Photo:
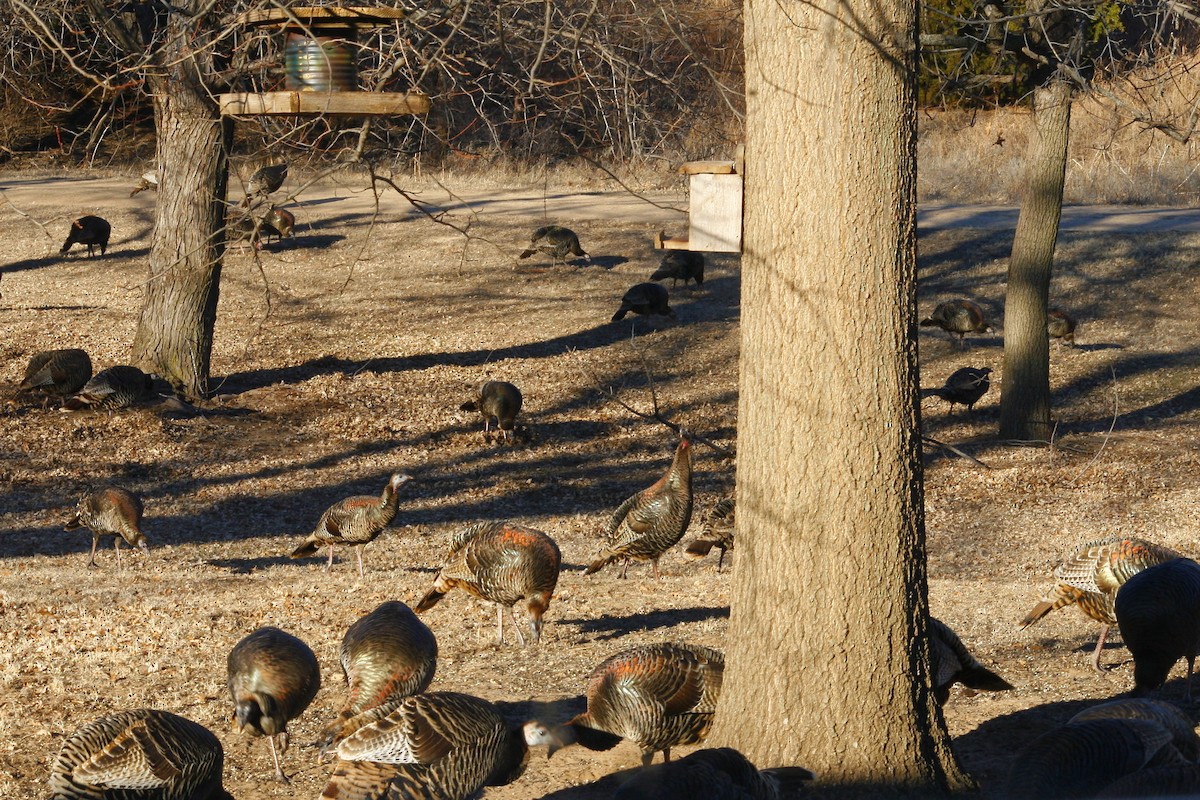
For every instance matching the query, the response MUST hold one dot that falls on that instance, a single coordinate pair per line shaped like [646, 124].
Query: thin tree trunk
[1025, 391]
[827, 658]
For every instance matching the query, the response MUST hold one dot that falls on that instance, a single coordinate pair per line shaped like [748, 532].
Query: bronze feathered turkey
[953, 663]
[1158, 613]
[1091, 577]
[718, 532]
[557, 242]
[110, 511]
[386, 655]
[435, 746]
[713, 774]
[139, 755]
[1060, 325]
[57, 372]
[964, 387]
[354, 521]
[658, 696]
[265, 181]
[652, 521]
[278, 222]
[272, 678]
[503, 563]
[112, 388]
[645, 298]
[1171, 717]
[91, 231]
[680, 265]
[958, 317]
[498, 401]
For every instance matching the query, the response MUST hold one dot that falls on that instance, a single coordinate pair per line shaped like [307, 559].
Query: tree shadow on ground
[615, 627]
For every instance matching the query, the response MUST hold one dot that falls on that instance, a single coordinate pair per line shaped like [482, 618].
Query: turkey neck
[388, 502]
[681, 467]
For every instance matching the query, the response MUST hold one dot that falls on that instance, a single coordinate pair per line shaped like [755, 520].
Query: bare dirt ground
[344, 357]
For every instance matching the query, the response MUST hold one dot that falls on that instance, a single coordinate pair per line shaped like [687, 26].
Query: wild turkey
[1158, 613]
[657, 695]
[149, 180]
[1169, 780]
[557, 242]
[386, 655]
[959, 317]
[278, 222]
[964, 386]
[952, 663]
[1183, 734]
[110, 511]
[89, 230]
[112, 388]
[272, 678]
[503, 563]
[645, 298]
[57, 372]
[1060, 325]
[680, 265]
[354, 521]
[265, 181]
[241, 227]
[713, 774]
[435, 746]
[139, 755]
[1082, 758]
[718, 532]
[1090, 579]
[499, 401]
[650, 522]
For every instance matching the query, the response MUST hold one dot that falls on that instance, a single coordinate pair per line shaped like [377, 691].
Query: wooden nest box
[321, 56]
[714, 209]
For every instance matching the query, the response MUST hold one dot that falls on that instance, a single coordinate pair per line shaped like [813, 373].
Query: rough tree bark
[827, 660]
[1025, 391]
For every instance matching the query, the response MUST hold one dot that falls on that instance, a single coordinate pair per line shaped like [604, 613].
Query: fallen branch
[952, 449]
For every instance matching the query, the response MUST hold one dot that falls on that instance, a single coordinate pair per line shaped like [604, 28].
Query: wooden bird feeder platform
[321, 55]
[715, 208]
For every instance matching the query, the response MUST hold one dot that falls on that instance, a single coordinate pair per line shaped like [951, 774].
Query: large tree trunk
[1025, 392]
[827, 657]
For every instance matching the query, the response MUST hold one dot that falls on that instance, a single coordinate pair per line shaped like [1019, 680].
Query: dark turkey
[680, 265]
[658, 695]
[149, 180]
[386, 655]
[964, 387]
[1060, 325]
[265, 181]
[91, 231]
[952, 663]
[1183, 734]
[139, 755]
[498, 401]
[272, 678]
[1091, 577]
[354, 521]
[645, 298]
[1158, 613]
[503, 563]
[436, 746]
[557, 242]
[278, 222]
[652, 521]
[112, 388]
[959, 317]
[1169, 780]
[718, 532]
[110, 511]
[713, 774]
[57, 372]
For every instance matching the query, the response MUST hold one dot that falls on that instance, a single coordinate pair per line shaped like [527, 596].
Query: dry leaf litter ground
[344, 357]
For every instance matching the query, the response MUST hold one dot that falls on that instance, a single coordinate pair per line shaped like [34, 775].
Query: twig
[1107, 435]
[951, 448]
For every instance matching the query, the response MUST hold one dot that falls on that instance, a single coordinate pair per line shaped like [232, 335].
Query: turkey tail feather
[308, 548]
[1037, 612]
[700, 548]
[430, 600]
[984, 679]
[594, 739]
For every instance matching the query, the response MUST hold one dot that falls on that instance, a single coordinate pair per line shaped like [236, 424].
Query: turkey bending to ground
[1082, 758]
[149, 180]
[645, 298]
[658, 695]
[112, 388]
[386, 655]
[713, 774]
[139, 755]
[952, 663]
[272, 678]
[1183, 735]
[557, 242]
[265, 181]
[1060, 325]
[503, 563]
[354, 521]
[959, 317]
[57, 372]
[110, 511]
[499, 401]
[91, 231]
[964, 386]
[652, 521]
[1091, 577]
[680, 265]
[435, 746]
[278, 222]
[718, 532]
[1158, 613]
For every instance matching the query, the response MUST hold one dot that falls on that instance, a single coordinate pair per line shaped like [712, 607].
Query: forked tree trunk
[1025, 391]
[827, 656]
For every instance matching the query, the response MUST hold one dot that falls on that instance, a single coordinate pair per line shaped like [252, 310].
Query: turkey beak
[144, 545]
